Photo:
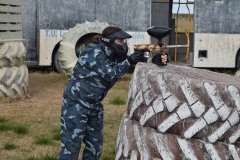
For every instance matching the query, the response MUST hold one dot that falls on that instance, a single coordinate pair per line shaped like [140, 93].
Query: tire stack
[178, 112]
[13, 71]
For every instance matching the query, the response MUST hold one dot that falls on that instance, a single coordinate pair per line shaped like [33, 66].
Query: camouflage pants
[81, 124]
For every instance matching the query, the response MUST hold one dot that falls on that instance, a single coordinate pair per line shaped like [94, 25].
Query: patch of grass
[9, 146]
[5, 127]
[118, 101]
[32, 158]
[49, 157]
[110, 157]
[42, 140]
[44, 100]
[3, 120]
[56, 134]
[20, 129]
[17, 128]
[45, 157]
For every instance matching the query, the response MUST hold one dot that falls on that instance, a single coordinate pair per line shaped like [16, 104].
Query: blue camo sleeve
[99, 63]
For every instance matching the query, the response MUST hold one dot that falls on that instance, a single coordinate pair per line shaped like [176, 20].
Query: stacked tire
[178, 112]
[13, 71]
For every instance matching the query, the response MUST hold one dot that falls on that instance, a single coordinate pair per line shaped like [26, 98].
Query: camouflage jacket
[94, 74]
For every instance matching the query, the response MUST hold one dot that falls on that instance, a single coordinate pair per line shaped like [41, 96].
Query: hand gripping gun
[157, 32]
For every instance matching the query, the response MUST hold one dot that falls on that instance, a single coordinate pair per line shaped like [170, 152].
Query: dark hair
[110, 30]
[96, 38]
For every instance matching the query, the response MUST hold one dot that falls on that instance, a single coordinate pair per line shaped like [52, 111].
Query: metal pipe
[176, 35]
[177, 46]
[188, 33]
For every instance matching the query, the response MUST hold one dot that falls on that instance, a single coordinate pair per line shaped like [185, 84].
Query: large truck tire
[13, 81]
[136, 142]
[56, 63]
[178, 112]
[69, 44]
[238, 60]
[12, 54]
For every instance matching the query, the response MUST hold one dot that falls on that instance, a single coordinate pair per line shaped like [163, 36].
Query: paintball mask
[119, 51]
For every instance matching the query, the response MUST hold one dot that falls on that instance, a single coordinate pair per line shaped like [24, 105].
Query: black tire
[237, 74]
[57, 66]
[238, 61]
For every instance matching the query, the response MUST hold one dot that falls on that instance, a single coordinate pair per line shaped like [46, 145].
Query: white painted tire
[237, 74]
[178, 112]
[13, 81]
[12, 54]
[67, 50]
[136, 142]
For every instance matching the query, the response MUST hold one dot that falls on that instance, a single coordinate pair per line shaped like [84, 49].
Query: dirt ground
[40, 113]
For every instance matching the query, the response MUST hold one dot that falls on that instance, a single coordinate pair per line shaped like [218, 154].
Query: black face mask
[119, 51]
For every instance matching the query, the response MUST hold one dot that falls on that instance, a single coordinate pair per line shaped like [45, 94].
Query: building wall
[183, 21]
[132, 15]
[217, 16]
[217, 33]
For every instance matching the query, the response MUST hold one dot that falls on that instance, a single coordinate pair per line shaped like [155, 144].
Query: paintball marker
[158, 33]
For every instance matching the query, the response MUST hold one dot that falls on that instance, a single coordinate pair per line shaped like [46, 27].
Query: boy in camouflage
[98, 67]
